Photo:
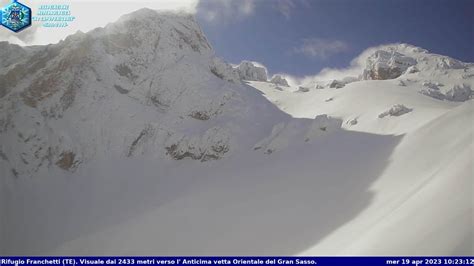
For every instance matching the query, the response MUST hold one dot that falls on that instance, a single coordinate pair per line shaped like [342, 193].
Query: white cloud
[224, 10]
[354, 69]
[89, 14]
[247, 7]
[320, 48]
[23, 37]
[286, 7]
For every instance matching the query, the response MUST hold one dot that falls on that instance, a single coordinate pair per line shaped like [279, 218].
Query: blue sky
[300, 37]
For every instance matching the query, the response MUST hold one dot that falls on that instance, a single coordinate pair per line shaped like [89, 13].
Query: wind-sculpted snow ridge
[148, 84]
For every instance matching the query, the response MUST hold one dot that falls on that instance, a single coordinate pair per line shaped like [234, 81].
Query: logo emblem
[15, 16]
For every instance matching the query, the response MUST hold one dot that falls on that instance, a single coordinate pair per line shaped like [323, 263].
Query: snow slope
[423, 200]
[431, 84]
[430, 174]
[345, 193]
[363, 101]
[253, 203]
[136, 139]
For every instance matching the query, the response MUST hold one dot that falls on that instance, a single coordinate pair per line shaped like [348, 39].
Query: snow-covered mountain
[437, 76]
[147, 84]
[136, 139]
[388, 77]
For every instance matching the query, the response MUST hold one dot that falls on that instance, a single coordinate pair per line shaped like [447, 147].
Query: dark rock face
[66, 161]
[174, 152]
[198, 115]
[384, 73]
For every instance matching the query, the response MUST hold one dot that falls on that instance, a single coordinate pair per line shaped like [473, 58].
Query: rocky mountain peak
[393, 60]
[146, 84]
[384, 64]
[251, 71]
[174, 30]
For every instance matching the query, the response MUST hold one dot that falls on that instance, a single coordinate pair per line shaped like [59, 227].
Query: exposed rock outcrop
[321, 125]
[459, 93]
[396, 110]
[302, 89]
[249, 71]
[433, 93]
[213, 145]
[336, 84]
[224, 71]
[279, 80]
[384, 65]
[67, 161]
